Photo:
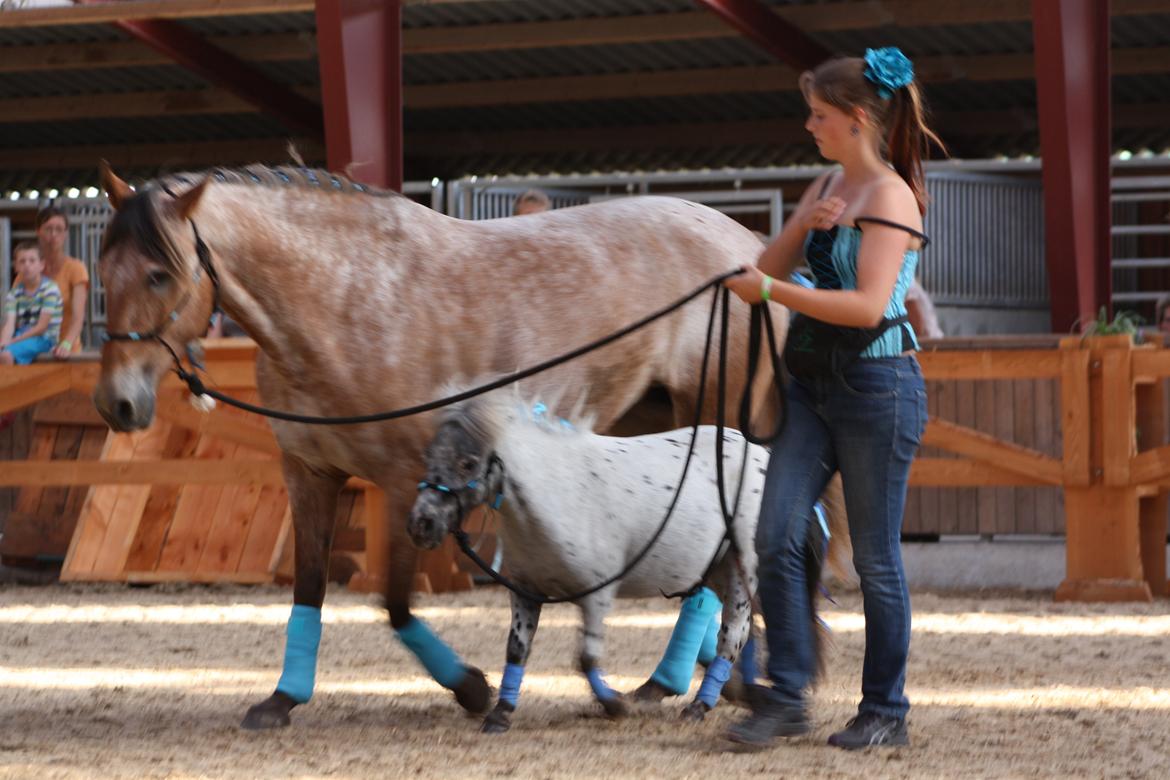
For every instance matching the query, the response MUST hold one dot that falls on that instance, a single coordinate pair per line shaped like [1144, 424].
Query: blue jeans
[867, 424]
[25, 352]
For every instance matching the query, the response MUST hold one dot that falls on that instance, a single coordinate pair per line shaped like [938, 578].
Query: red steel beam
[359, 45]
[224, 69]
[1072, 80]
[783, 40]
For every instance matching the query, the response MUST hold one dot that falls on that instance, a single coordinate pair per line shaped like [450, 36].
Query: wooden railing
[1110, 402]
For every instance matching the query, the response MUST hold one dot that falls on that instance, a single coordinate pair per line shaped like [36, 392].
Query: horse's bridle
[203, 253]
[494, 461]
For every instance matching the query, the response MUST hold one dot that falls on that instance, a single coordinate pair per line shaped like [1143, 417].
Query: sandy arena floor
[118, 682]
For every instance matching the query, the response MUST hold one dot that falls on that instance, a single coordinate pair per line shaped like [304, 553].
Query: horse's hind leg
[468, 683]
[313, 498]
[525, 617]
[594, 608]
[693, 631]
[733, 633]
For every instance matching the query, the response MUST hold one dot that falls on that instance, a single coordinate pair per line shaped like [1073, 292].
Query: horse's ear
[116, 189]
[185, 204]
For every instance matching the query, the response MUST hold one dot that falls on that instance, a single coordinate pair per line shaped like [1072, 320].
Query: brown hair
[47, 213]
[900, 119]
[26, 246]
[536, 197]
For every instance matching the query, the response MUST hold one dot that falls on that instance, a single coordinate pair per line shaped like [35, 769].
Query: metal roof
[466, 133]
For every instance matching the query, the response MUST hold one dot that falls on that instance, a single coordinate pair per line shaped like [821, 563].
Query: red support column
[1072, 80]
[359, 46]
[764, 27]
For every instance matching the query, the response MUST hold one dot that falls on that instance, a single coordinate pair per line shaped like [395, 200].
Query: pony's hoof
[736, 691]
[695, 712]
[272, 713]
[473, 693]
[650, 692]
[615, 707]
[498, 720]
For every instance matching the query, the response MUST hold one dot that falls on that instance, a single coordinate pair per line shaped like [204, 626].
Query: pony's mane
[486, 416]
[259, 175]
[137, 220]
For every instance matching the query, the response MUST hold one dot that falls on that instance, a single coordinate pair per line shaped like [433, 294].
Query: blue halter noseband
[456, 493]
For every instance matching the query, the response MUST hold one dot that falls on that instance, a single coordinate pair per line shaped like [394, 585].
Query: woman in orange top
[70, 275]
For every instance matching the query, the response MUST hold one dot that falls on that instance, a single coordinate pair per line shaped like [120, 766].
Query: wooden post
[373, 578]
[1151, 426]
[1102, 519]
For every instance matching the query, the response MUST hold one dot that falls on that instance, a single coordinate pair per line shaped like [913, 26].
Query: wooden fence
[1021, 432]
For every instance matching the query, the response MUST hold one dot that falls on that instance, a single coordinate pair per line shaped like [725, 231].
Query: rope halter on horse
[473, 485]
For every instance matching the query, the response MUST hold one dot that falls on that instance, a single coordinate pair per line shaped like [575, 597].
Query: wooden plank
[1005, 497]
[201, 577]
[68, 408]
[267, 532]
[219, 423]
[123, 522]
[948, 472]
[160, 507]
[947, 507]
[1049, 518]
[95, 516]
[985, 421]
[1117, 433]
[195, 512]
[981, 446]
[146, 9]
[1151, 363]
[967, 520]
[22, 386]
[990, 364]
[39, 454]
[92, 445]
[219, 533]
[158, 472]
[1075, 420]
[65, 448]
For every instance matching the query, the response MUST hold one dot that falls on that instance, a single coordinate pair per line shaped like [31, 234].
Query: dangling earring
[854, 131]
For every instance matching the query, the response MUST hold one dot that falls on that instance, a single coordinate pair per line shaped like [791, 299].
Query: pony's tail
[840, 552]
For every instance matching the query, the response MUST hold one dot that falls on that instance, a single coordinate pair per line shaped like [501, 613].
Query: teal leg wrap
[710, 642]
[677, 666]
[300, 653]
[434, 654]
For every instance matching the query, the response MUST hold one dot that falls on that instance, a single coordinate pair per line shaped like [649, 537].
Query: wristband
[766, 288]
[67, 344]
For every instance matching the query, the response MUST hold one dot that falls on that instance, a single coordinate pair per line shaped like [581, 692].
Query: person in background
[70, 275]
[32, 310]
[531, 202]
[920, 310]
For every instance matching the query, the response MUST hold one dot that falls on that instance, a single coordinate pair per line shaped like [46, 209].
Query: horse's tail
[835, 552]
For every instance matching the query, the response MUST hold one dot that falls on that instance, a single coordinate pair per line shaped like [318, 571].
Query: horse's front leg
[693, 639]
[733, 634]
[468, 683]
[525, 617]
[594, 608]
[313, 498]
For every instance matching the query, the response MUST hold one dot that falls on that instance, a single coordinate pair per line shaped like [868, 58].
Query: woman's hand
[822, 214]
[747, 284]
[63, 350]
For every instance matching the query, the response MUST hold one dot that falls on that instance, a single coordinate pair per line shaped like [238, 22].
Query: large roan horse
[363, 300]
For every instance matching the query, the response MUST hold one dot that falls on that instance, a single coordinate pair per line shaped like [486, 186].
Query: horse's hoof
[473, 693]
[651, 692]
[615, 707]
[272, 713]
[736, 691]
[498, 720]
[695, 712]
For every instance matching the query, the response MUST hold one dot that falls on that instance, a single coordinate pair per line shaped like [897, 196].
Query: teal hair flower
[889, 69]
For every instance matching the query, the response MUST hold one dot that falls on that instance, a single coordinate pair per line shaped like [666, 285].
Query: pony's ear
[116, 190]
[185, 204]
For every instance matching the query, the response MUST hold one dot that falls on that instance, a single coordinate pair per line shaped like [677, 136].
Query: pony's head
[463, 470]
[158, 297]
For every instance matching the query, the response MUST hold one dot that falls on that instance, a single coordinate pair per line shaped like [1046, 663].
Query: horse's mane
[486, 416]
[137, 220]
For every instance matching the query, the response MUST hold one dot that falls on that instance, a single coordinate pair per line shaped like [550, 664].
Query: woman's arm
[64, 347]
[879, 260]
[7, 329]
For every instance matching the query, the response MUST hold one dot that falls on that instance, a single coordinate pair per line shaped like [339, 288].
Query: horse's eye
[156, 279]
[468, 464]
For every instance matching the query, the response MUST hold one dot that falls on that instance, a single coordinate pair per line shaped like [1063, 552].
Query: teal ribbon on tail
[303, 637]
[433, 653]
[677, 666]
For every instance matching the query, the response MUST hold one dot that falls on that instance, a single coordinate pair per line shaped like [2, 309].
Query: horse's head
[463, 472]
[157, 296]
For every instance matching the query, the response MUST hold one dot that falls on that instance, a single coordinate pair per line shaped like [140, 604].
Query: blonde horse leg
[313, 498]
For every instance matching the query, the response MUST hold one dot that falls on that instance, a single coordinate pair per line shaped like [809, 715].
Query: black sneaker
[868, 729]
[768, 721]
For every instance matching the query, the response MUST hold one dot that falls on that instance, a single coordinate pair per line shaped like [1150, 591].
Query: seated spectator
[531, 202]
[32, 310]
[70, 275]
[920, 309]
[1162, 315]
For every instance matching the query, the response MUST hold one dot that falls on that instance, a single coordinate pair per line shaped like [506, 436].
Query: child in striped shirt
[32, 309]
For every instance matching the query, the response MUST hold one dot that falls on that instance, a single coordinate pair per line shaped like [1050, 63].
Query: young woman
[68, 272]
[858, 402]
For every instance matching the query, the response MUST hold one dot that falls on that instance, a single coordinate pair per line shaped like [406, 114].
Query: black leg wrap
[272, 713]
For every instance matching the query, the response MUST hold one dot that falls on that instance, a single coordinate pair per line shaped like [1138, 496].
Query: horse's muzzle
[426, 525]
[122, 412]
